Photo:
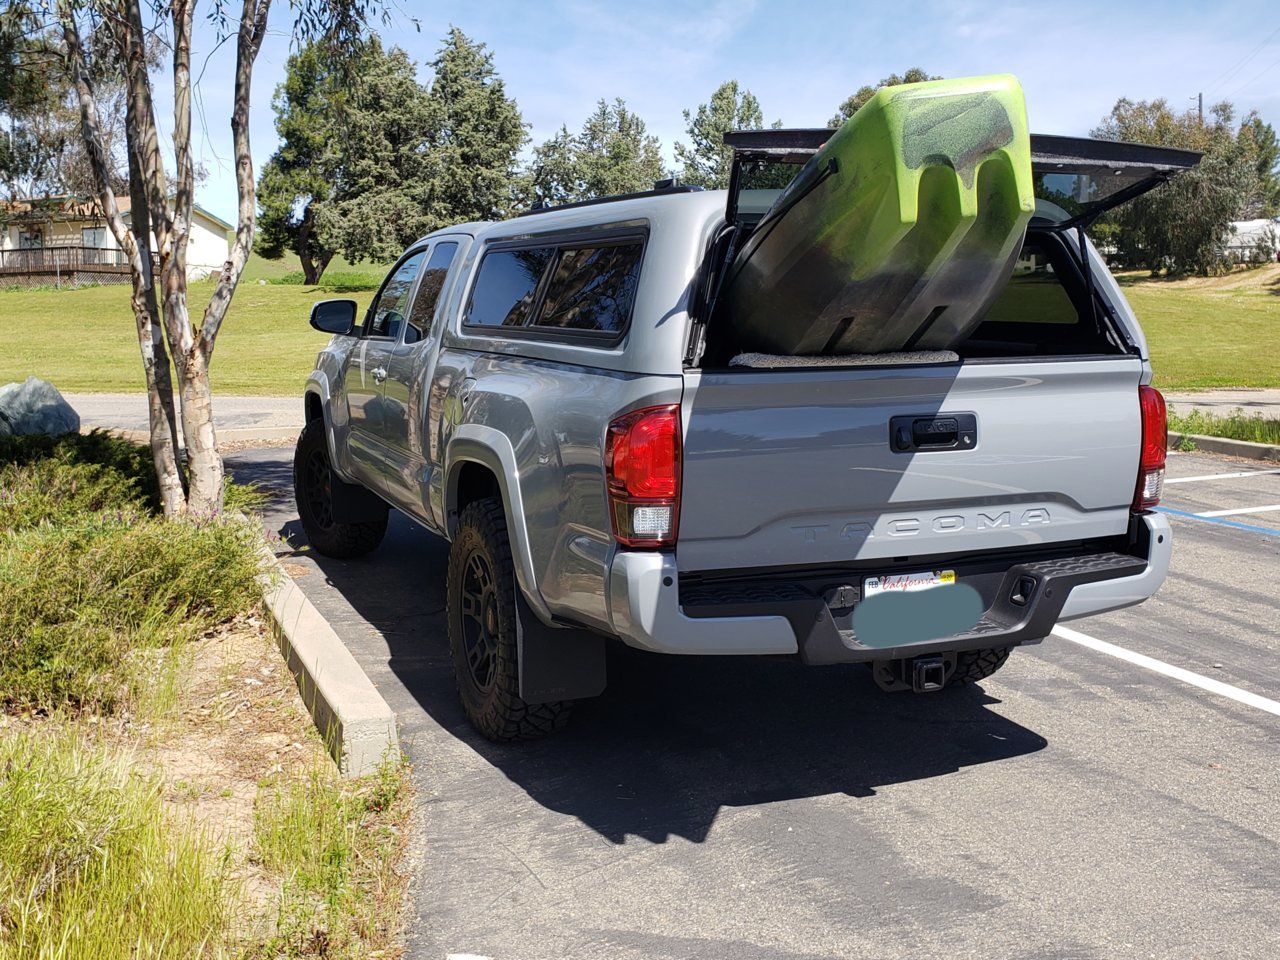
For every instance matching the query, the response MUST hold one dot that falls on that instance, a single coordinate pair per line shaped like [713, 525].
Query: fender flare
[476, 443]
[318, 384]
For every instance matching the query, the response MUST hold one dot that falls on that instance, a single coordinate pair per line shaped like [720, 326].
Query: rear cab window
[572, 289]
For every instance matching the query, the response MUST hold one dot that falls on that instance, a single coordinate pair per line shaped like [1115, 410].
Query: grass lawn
[1212, 332]
[85, 340]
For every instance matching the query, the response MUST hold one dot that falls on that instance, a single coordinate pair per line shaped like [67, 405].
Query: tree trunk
[155, 361]
[150, 341]
[204, 463]
[313, 264]
[310, 275]
[313, 268]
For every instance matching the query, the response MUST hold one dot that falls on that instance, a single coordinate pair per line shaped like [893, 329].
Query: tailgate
[804, 467]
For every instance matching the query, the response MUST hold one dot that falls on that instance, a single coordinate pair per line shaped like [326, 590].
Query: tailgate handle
[950, 432]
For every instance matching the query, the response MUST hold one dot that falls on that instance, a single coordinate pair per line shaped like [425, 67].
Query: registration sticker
[907, 582]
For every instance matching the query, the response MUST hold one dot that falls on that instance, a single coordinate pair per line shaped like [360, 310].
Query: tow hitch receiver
[928, 674]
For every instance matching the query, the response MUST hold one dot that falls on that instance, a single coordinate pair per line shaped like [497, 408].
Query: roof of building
[71, 208]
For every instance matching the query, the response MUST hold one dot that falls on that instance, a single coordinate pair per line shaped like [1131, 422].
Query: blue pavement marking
[1226, 523]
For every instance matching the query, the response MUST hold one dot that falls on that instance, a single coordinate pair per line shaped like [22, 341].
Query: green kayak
[898, 233]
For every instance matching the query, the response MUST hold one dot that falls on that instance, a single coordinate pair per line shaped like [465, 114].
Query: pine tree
[476, 134]
[855, 101]
[706, 161]
[352, 174]
[613, 154]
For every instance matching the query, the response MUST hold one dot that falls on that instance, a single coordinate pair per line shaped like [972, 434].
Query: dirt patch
[1240, 280]
[238, 724]
[238, 729]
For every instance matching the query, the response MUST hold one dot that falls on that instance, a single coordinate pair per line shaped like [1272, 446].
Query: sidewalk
[235, 418]
[1224, 401]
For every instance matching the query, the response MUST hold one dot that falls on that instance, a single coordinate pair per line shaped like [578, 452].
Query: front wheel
[482, 631]
[313, 483]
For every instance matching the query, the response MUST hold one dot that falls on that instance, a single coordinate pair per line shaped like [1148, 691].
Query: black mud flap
[557, 664]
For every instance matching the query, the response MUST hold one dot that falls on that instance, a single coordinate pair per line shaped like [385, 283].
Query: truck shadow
[673, 740]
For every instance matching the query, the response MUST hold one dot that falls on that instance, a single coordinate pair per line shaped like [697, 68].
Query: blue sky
[557, 57]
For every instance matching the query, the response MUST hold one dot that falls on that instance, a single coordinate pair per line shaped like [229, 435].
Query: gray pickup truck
[562, 398]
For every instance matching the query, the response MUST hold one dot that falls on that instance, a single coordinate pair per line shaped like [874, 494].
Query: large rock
[33, 407]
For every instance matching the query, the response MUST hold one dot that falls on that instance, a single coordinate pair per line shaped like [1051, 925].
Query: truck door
[367, 367]
[409, 369]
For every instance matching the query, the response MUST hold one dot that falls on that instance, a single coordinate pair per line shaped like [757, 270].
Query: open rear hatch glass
[1074, 181]
[1077, 180]
[1081, 178]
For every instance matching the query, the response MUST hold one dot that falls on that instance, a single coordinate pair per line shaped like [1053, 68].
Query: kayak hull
[898, 233]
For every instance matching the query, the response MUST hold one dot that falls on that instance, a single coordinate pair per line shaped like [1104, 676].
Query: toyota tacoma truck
[564, 399]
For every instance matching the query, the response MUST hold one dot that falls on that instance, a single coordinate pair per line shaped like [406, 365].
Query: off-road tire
[975, 665]
[313, 481]
[482, 631]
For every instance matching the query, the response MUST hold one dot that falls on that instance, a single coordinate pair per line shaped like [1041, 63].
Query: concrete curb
[358, 726]
[1234, 448]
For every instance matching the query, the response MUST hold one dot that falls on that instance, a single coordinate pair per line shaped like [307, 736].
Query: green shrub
[340, 281]
[1237, 425]
[47, 479]
[350, 281]
[93, 869]
[80, 602]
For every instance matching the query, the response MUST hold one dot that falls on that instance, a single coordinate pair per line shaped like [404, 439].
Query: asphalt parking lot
[1077, 804]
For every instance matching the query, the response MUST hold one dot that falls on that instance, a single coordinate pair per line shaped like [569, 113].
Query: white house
[1245, 236]
[65, 239]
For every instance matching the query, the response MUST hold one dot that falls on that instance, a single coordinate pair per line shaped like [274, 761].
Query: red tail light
[1155, 443]
[642, 470]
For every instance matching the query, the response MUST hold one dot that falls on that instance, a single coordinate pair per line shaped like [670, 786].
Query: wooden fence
[65, 267]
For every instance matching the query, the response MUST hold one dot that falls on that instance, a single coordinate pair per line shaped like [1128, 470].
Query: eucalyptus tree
[162, 197]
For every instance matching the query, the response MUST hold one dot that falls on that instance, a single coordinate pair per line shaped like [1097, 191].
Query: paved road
[1075, 805]
[264, 416]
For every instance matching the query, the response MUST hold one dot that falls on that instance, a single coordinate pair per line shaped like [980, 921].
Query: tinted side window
[1035, 293]
[593, 288]
[424, 304]
[387, 313]
[507, 286]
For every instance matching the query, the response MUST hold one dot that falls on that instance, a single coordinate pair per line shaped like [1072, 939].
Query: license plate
[907, 582]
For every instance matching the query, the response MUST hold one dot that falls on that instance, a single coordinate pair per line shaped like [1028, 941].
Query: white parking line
[1169, 670]
[1219, 476]
[1232, 513]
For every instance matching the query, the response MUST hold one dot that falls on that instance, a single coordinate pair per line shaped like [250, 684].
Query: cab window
[428, 295]
[386, 315]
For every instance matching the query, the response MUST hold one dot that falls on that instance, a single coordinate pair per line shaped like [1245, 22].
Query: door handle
[937, 432]
[379, 374]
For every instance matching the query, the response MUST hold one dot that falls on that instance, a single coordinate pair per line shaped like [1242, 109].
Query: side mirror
[335, 316]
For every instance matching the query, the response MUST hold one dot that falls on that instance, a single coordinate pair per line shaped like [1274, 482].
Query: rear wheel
[482, 631]
[975, 665]
[313, 483]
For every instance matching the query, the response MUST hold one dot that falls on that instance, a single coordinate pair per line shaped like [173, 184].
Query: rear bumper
[646, 610]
